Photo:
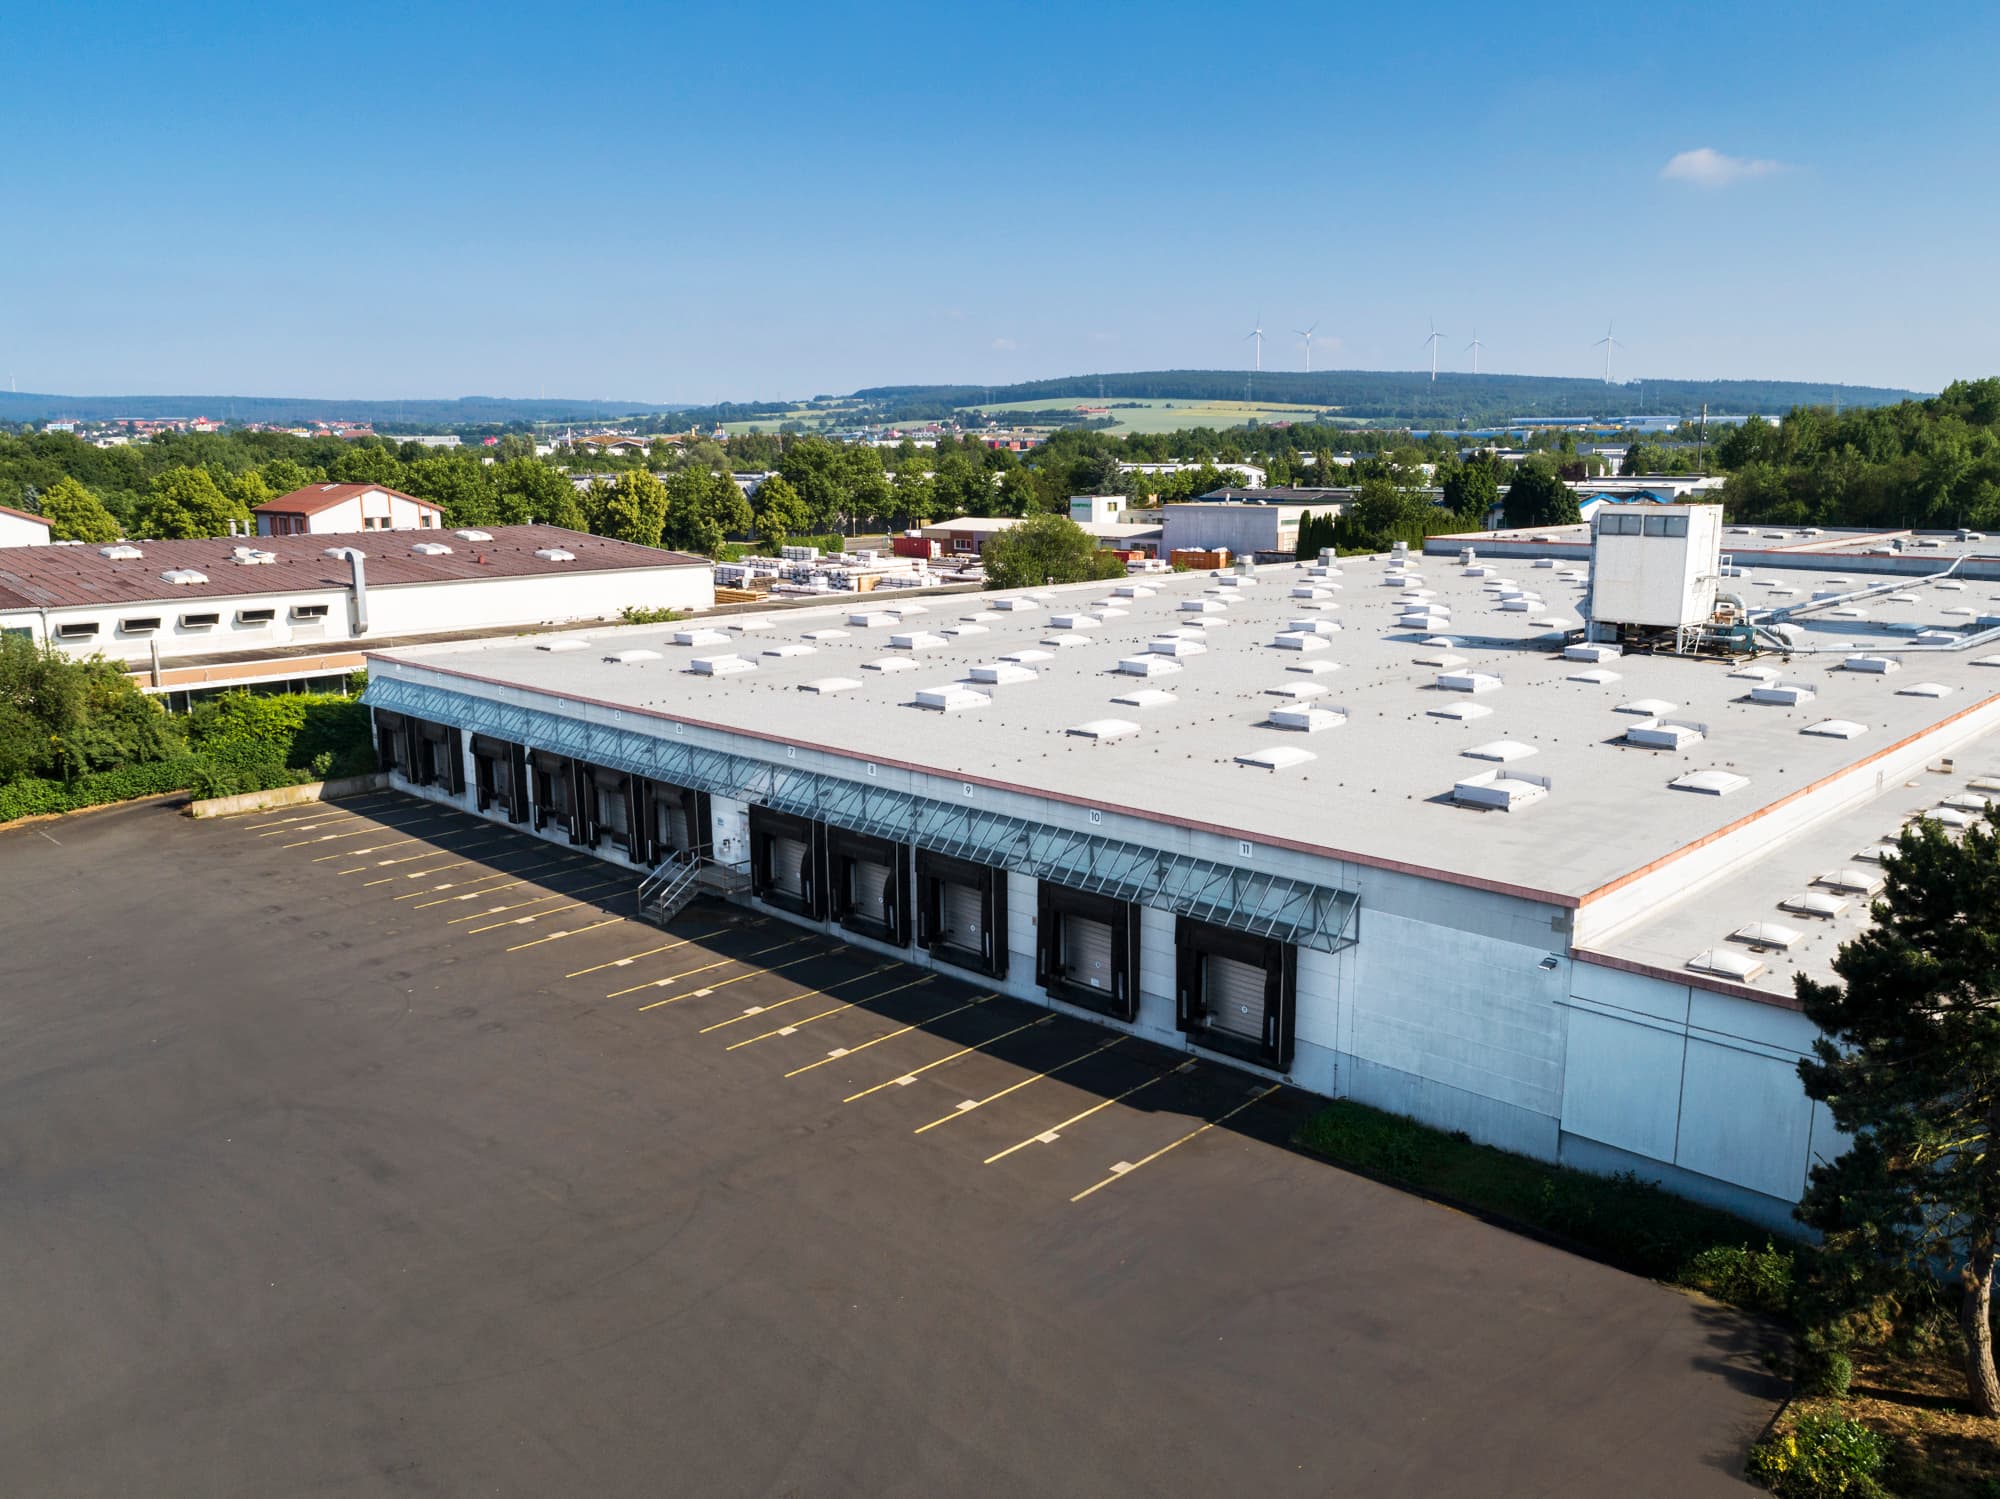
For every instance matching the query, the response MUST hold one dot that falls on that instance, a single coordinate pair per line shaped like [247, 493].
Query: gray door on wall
[871, 884]
[1234, 993]
[788, 862]
[1086, 951]
[963, 916]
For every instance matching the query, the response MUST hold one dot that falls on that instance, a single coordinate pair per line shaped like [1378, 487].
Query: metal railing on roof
[1254, 901]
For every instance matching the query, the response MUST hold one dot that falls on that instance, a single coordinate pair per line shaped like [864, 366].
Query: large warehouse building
[1392, 828]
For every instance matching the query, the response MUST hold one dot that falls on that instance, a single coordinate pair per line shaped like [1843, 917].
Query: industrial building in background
[192, 617]
[1402, 829]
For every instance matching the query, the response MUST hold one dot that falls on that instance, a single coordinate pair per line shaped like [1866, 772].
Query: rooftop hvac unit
[1656, 567]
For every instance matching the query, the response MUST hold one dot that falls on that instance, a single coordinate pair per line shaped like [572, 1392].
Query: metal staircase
[665, 892]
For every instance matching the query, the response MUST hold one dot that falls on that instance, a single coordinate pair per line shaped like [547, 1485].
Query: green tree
[780, 512]
[1472, 489]
[527, 489]
[864, 483]
[1046, 548]
[1538, 497]
[636, 508]
[813, 470]
[364, 461]
[1909, 1066]
[61, 717]
[456, 481]
[1382, 508]
[703, 510]
[283, 475]
[183, 502]
[75, 514]
[912, 499]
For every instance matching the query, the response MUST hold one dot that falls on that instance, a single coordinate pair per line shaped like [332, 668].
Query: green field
[1135, 415]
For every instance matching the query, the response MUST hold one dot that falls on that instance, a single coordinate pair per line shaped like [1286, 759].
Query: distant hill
[463, 411]
[1400, 395]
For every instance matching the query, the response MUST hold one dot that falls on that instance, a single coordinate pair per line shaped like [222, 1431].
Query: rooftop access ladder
[665, 893]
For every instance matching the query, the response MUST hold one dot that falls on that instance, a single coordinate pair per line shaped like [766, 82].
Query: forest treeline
[1920, 463]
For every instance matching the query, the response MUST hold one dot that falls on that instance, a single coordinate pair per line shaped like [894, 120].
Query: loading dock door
[788, 865]
[1087, 949]
[1086, 952]
[963, 916]
[1234, 992]
[868, 892]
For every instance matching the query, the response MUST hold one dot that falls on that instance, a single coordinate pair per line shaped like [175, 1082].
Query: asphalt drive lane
[302, 1191]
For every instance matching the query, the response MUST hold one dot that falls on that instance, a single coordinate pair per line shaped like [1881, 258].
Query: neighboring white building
[1243, 527]
[442, 440]
[20, 529]
[258, 612]
[336, 509]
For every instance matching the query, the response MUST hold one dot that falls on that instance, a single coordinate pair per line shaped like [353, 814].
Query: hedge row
[31, 796]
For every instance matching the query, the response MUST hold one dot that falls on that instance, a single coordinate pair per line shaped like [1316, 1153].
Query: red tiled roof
[317, 497]
[69, 576]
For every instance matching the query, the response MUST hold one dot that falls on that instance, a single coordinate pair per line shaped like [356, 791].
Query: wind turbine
[1609, 344]
[1307, 335]
[1258, 334]
[1475, 346]
[1433, 342]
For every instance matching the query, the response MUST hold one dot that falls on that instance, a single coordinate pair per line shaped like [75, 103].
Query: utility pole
[1701, 443]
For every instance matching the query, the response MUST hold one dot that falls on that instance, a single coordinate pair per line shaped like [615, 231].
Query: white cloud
[1005, 344]
[1707, 167]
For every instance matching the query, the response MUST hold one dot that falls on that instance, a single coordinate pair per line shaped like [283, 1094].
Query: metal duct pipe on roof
[1815, 605]
[360, 585]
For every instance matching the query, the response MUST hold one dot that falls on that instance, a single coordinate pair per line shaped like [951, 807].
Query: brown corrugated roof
[317, 497]
[68, 576]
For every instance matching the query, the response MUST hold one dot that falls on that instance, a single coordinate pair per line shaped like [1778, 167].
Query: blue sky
[701, 203]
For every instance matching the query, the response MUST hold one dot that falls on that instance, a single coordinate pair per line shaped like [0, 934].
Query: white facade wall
[373, 510]
[399, 609]
[1456, 1006]
[1243, 528]
[22, 531]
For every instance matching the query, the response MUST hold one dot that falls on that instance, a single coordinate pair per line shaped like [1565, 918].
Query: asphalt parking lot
[375, 1148]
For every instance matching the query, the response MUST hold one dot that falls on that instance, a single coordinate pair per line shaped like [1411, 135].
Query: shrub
[1818, 1370]
[1821, 1457]
[1756, 1279]
[34, 796]
[632, 614]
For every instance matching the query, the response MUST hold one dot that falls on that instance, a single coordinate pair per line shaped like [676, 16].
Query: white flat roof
[1381, 788]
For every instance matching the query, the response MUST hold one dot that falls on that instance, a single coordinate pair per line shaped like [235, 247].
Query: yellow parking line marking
[1126, 1168]
[572, 932]
[567, 897]
[328, 819]
[507, 877]
[375, 848]
[786, 1030]
[320, 810]
[968, 1105]
[368, 826]
[1054, 1132]
[741, 978]
[522, 905]
[722, 962]
[778, 1004]
[655, 951]
[845, 1051]
[789, 1030]
[905, 1079]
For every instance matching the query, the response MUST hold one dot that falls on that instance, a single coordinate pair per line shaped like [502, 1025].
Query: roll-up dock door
[1235, 992]
[1087, 950]
[787, 855]
[788, 865]
[869, 883]
[961, 911]
[500, 776]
